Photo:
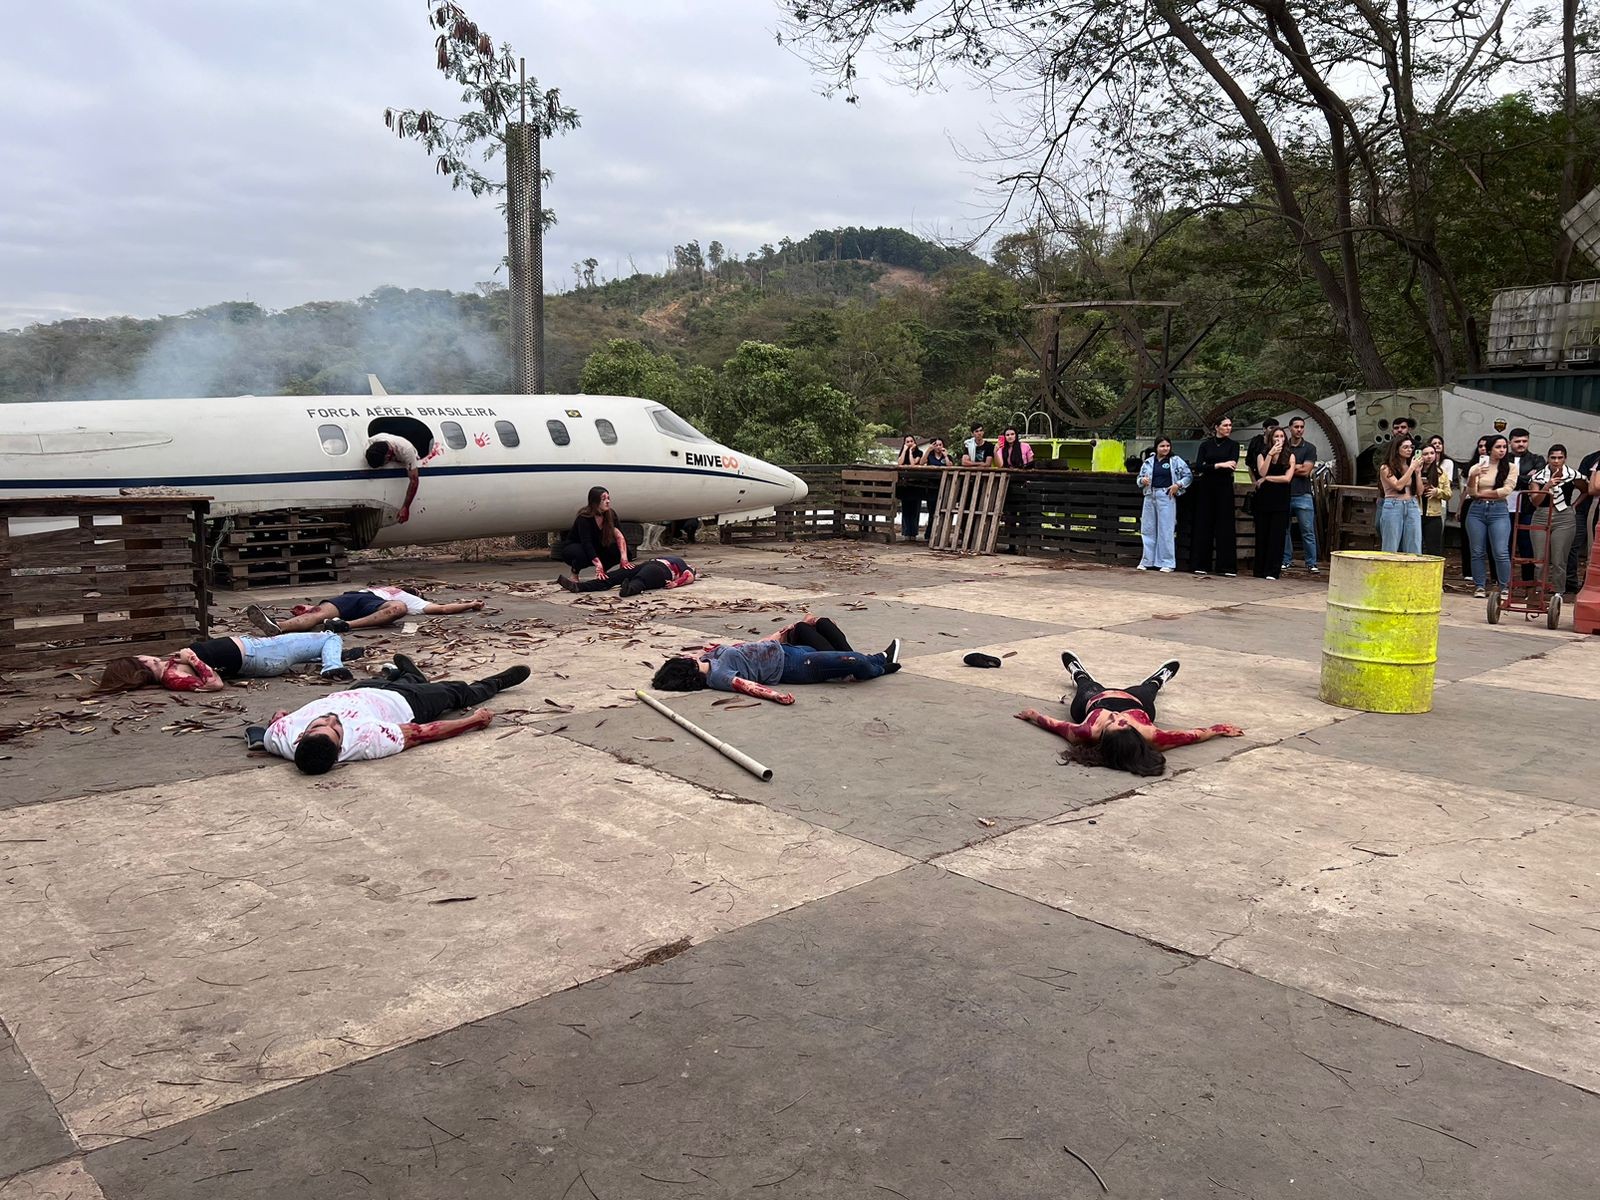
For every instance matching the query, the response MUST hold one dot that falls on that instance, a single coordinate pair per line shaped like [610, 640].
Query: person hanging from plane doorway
[364, 608]
[594, 539]
[385, 448]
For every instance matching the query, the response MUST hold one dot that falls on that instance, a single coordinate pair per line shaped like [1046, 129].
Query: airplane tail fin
[377, 388]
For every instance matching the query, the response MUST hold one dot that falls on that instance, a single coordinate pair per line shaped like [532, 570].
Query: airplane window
[671, 424]
[453, 435]
[333, 440]
[508, 434]
[558, 432]
[608, 431]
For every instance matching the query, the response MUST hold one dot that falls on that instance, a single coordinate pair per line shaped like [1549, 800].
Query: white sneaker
[1198, 571]
[1479, 594]
[1166, 570]
[1314, 569]
[1230, 574]
[1141, 567]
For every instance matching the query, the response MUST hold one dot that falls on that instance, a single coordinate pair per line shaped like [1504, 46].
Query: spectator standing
[1274, 471]
[1524, 462]
[1400, 510]
[1252, 452]
[1479, 453]
[1163, 478]
[1302, 499]
[910, 491]
[978, 450]
[1589, 469]
[1436, 489]
[1213, 544]
[1489, 481]
[1555, 490]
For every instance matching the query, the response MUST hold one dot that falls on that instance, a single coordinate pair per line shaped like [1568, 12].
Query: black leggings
[1087, 697]
[822, 634]
[430, 701]
[572, 554]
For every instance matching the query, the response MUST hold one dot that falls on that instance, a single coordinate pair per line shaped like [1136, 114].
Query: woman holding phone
[1399, 512]
[1489, 481]
[1274, 471]
[1435, 498]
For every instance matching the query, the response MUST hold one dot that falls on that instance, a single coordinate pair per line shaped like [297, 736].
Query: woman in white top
[1489, 481]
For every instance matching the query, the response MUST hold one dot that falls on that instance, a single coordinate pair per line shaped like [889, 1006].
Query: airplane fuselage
[496, 465]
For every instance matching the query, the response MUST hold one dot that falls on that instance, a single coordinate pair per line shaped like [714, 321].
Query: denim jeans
[1489, 532]
[1304, 510]
[801, 664]
[264, 656]
[1400, 526]
[1158, 529]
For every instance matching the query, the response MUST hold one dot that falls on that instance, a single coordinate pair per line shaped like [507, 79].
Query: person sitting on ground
[1116, 727]
[380, 717]
[203, 666]
[664, 571]
[365, 608]
[814, 650]
[385, 448]
[594, 540]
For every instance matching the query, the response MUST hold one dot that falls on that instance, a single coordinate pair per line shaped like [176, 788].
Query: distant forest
[804, 349]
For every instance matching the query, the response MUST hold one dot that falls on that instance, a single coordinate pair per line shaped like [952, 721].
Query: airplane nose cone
[799, 489]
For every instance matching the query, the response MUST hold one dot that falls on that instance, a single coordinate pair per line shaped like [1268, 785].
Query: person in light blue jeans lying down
[205, 666]
[814, 650]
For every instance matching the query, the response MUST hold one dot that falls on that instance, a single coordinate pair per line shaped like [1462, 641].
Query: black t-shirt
[221, 655]
[1212, 451]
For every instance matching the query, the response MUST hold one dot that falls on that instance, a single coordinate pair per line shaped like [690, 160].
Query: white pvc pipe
[763, 773]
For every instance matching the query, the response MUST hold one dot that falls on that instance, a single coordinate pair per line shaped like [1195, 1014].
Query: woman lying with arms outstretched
[1116, 727]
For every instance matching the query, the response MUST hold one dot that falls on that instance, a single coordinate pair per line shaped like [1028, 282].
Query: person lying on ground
[1116, 727]
[365, 608]
[380, 717]
[666, 571]
[203, 666]
[812, 651]
[385, 448]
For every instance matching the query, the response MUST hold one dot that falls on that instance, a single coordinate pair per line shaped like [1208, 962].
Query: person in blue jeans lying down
[814, 650]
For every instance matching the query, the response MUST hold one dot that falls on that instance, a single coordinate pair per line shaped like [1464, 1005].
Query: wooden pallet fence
[1093, 514]
[970, 509]
[1352, 518]
[282, 548]
[84, 578]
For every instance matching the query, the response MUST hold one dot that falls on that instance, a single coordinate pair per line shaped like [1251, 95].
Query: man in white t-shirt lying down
[364, 608]
[379, 717]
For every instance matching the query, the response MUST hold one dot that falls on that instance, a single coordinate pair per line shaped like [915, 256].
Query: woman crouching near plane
[204, 666]
[1116, 727]
[594, 540]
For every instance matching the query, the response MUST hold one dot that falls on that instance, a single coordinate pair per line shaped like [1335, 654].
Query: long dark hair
[1397, 466]
[679, 675]
[1011, 456]
[606, 519]
[123, 675]
[1504, 468]
[1121, 750]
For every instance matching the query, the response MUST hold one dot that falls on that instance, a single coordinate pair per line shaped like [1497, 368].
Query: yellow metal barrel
[1381, 641]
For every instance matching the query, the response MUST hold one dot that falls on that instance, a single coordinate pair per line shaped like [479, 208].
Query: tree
[496, 96]
[1335, 120]
[590, 265]
[765, 403]
[622, 367]
[714, 254]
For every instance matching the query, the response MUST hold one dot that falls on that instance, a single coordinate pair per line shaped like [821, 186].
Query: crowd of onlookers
[1508, 499]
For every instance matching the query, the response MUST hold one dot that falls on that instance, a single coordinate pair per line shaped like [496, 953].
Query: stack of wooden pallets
[970, 509]
[283, 548]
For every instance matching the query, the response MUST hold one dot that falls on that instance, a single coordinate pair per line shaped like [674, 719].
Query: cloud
[166, 156]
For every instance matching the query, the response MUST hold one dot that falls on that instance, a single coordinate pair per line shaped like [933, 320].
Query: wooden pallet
[969, 511]
[867, 501]
[113, 576]
[1352, 518]
[282, 548]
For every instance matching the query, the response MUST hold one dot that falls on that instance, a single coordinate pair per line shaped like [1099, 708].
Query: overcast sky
[161, 156]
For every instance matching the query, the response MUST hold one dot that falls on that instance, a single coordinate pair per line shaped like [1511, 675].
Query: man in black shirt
[1525, 462]
[1212, 544]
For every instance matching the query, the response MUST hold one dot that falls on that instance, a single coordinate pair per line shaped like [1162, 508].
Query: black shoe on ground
[510, 677]
[1167, 671]
[567, 582]
[1069, 660]
[350, 653]
[891, 656]
[336, 625]
[339, 675]
[405, 668]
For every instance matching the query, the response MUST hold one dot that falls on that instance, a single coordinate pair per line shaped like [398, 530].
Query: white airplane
[493, 465]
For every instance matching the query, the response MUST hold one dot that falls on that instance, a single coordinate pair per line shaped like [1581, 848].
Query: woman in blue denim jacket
[1163, 478]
